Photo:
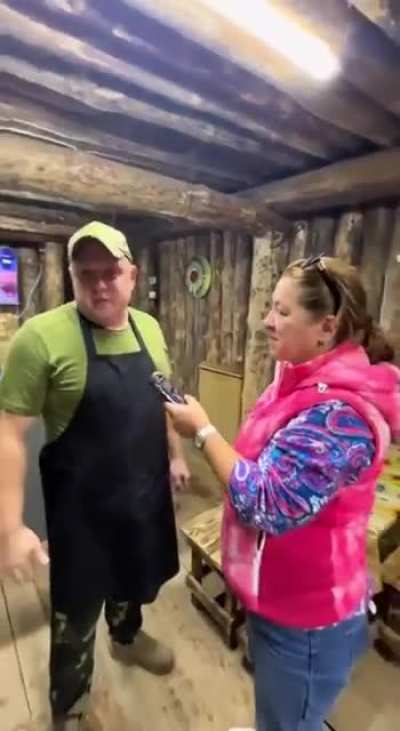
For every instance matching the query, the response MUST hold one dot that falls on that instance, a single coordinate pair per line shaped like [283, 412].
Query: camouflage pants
[73, 637]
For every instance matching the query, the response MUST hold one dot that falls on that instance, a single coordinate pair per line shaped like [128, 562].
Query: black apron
[109, 508]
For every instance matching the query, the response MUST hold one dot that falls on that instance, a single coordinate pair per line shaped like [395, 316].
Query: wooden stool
[244, 646]
[203, 534]
[388, 625]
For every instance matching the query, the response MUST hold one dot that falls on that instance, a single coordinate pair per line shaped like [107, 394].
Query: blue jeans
[300, 673]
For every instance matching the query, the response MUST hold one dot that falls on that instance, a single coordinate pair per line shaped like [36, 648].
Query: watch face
[198, 441]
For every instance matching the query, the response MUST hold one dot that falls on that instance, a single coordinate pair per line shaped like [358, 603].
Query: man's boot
[146, 652]
[67, 723]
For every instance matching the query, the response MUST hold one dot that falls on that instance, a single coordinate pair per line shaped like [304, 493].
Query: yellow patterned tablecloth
[385, 518]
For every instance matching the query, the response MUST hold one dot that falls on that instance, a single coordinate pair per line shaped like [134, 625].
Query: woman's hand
[187, 418]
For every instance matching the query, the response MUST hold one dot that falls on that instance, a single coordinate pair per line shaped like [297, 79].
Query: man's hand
[180, 473]
[19, 552]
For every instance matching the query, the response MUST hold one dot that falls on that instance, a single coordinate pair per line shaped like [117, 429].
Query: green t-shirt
[46, 366]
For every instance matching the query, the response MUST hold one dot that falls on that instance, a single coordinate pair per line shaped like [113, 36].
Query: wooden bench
[214, 597]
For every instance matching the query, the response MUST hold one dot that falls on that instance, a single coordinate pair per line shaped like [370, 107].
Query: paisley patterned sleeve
[302, 467]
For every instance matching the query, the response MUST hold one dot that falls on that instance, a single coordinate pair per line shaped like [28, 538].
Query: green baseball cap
[113, 240]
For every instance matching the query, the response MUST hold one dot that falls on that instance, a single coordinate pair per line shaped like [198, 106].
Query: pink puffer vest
[314, 575]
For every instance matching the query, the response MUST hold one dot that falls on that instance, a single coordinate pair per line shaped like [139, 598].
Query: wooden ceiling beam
[39, 223]
[106, 99]
[367, 179]
[335, 102]
[70, 218]
[150, 232]
[20, 222]
[28, 228]
[18, 219]
[26, 117]
[11, 236]
[383, 13]
[31, 168]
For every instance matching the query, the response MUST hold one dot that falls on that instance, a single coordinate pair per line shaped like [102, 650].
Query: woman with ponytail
[299, 487]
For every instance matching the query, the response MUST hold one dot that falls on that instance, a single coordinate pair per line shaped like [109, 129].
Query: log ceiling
[384, 13]
[170, 102]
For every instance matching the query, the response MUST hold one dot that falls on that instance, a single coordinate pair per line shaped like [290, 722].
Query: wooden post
[139, 297]
[258, 361]
[8, 326]
[203, 311]
[348, 240]
[390, 312]
[322, 236]
[228, 274]
[53, 275]
[240, 297]
[144, 258]
[152, 280]
[281, 245]
[190, 313]
[30, 283]
[213, 353]
[299, 243]
[378, 231]
[163, 291]
[173, 308]
[177, 259]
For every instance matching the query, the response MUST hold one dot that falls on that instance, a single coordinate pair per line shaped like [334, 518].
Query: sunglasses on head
[317, 263]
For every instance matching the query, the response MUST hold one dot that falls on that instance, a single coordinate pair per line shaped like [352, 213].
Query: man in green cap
[106, 468]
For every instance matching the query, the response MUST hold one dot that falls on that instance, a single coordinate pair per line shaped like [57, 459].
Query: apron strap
[87, 331]
[139, 338]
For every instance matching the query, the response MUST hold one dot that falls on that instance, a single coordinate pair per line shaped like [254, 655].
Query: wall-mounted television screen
[8, 277]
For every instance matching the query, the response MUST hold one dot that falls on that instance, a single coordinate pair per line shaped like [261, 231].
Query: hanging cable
[31, 293]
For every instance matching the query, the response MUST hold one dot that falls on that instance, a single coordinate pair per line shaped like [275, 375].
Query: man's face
[102, 285]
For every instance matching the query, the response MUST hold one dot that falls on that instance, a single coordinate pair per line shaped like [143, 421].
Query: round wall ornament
[198, 276]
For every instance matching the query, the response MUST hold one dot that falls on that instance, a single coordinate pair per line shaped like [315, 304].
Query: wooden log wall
[145, 294]
[212, 328]
[369, 239]
[41, 286]
[226, 327]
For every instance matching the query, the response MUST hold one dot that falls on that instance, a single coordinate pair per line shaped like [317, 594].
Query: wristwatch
[202, 434]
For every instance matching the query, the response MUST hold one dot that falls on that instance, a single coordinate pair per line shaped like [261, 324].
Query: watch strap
[202, 434]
